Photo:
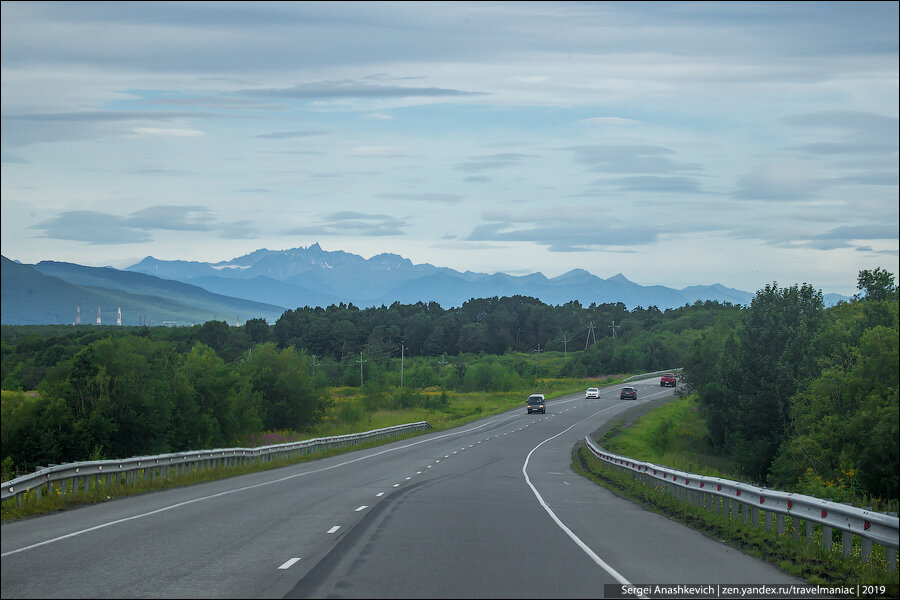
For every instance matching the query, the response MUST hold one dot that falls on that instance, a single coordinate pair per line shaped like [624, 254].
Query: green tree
[761, 367]
[845, 423]
[283, 379]
[257, 330]
[877, 284]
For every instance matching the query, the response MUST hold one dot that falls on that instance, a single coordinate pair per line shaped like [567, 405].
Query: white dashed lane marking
[289, 563]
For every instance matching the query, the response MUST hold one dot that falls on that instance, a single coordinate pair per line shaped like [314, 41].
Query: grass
[791, 554]
[53, 499]
[674, 435]
[461, 408]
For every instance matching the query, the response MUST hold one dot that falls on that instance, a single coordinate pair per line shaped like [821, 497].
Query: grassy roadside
[461, 408]
[673, 435]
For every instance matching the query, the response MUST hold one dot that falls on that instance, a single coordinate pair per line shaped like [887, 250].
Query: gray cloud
[874, 231]
[109, 115]
[91, 227]
[561, 229]
[284, 135]
[159, 171]
[173, 218]
[239, 230]
[432, 197]
[492, 161]
[102, 228]
[656, 184]
[630, 158]
[782, 181]
[350, 89]
[844, 120]
[873, 178]
[830, 148]
[354, 223]
[572, 237]
[12, 158]
[25, 129]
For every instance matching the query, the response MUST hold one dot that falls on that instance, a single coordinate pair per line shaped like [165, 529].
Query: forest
[792, 392]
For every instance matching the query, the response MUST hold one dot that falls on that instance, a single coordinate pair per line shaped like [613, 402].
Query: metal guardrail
[74, 477]
[747, 502]
[653, 374]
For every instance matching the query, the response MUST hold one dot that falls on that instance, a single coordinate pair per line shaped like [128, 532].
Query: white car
[592, 393]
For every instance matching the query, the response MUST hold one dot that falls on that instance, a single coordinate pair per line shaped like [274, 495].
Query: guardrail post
[846, 543]
[780, 524]
[866, 550]
[865, 546]
[810, 532]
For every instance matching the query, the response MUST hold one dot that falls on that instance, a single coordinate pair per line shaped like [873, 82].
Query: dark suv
[535, 403]
[628, 393]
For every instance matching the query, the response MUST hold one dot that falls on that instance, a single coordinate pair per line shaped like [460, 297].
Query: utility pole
[614, 327]
[538, 350]
[590, 335]
[564, 348]
[443, 363]
[314, 364]
[360, 361]
[401, 363]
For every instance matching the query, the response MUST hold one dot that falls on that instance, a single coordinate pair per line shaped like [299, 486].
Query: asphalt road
[488, 510]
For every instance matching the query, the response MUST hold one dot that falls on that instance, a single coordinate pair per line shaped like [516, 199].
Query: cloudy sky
[740, 143]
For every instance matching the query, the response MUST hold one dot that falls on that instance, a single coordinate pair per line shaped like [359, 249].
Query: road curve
[490, 509]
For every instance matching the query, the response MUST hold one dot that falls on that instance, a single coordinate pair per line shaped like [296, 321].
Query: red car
[668, 379]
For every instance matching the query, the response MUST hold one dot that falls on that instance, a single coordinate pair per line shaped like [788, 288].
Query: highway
[489, 509]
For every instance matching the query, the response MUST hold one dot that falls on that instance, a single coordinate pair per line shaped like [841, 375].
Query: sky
[677, 143]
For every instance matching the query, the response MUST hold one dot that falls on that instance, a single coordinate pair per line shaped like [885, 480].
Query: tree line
[799, 395]
[105, 392]
[793, 393]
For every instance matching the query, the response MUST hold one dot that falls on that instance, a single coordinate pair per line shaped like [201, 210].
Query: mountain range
[264, 283]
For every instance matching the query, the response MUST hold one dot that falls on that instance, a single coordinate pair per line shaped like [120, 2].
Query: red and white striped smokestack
[119, 318]
[98, 315]
[78, 314]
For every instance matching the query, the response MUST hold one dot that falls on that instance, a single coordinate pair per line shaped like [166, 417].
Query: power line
[590, 335]
[360, 361]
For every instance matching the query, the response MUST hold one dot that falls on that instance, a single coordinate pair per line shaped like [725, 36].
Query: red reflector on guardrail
[762, 500]
[824, 513]
[866, 525]
[790, 505]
